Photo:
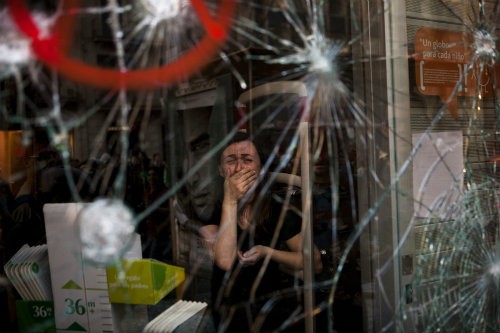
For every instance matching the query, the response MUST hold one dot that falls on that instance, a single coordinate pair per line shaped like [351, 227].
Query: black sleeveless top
[233, 288]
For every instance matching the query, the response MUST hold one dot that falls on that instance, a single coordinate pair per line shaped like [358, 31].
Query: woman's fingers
[246, 259]
[252, 256]
[247, 179]
[244, 175]
[243, 180]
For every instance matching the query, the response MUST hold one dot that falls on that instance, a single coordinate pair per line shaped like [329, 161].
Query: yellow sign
[143, 281]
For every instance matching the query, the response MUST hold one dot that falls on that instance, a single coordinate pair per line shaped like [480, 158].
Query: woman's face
[239, 156]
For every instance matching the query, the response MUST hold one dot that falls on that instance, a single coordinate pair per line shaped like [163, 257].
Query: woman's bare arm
[235, 186]
[225, 247]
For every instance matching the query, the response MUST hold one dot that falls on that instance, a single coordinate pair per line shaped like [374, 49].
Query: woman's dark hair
[240, 137]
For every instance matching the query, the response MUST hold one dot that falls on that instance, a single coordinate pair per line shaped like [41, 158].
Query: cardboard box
[144, 281]
[81, 295]
[80, 291]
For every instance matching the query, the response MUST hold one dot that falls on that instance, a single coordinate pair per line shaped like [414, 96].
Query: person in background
[203, 187]
[6, 219]
[155, 229]
[47, 181]
[252, 237]
[197, 199]
[136, 180]
[7, 295]
[160, 167]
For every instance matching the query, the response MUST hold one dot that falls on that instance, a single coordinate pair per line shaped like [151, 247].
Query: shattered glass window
[260, 166]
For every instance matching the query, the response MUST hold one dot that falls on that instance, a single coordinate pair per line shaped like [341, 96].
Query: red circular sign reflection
[52, 50]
